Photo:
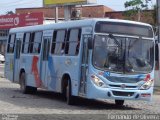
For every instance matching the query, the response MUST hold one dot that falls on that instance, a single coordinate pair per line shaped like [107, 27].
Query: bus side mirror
[90, 43]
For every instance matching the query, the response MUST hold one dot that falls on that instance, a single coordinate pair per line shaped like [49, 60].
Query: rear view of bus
[122, 61]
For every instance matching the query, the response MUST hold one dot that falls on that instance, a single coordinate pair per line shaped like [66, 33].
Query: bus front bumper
[119, 94]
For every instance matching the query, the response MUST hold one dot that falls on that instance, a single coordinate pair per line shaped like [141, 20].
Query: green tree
[135, 7]
[9, 12]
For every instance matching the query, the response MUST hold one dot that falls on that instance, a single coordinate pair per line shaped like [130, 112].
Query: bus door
[18, 43]
[84, 65]
[47, 36]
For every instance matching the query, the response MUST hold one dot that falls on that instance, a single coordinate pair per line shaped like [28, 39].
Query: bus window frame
[78, 41]
[11, 43]
[31, 43]
[24, 43]
[55, 42]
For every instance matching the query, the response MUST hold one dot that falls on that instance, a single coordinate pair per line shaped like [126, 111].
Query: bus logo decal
[35, 71]
[106, 74]
[123, 86]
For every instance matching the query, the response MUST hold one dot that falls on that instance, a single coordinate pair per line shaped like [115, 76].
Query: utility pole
[158, 14]
[56, 14]
[67, 12]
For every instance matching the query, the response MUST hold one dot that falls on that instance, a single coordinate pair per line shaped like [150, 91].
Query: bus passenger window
[54, 42]
[25, 47]
[37, 42]
[74, 41]
[31, 41]
[60, 38]
[11, 43]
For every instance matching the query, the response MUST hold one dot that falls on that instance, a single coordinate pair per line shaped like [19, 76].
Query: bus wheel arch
[21, 71]
[64, 83]
[23, 86]
[67, 89]
[22, 81]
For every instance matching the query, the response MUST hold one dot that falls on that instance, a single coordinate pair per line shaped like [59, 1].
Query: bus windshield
[123, 54]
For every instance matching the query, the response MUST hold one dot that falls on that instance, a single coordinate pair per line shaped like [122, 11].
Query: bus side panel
[61, 66]
[31, 65]
[26, 64]
[9, 66]
[52, 74]
[75, 71]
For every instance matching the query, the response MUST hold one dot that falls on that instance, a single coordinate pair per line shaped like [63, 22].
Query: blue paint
[52, 72]
[106, 74]
[140, 76]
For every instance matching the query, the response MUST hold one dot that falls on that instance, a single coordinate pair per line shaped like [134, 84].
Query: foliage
[135, 7]
[9, 12]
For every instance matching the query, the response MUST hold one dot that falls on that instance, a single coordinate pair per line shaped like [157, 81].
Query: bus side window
[25, 46]
[60, 42]
[37, 42]
[11, 43]
[31, 41]
[74, 42]
[54, 42]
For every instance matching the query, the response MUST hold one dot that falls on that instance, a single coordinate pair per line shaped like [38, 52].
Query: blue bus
[93, 59]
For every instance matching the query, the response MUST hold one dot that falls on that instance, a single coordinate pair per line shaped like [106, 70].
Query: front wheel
[69, 97]
[119, 102]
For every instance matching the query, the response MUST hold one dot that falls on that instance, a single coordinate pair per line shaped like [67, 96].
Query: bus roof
[69, 24]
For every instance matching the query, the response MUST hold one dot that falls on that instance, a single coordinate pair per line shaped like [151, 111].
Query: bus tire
[32, 90]
[24, 89]
[69, 97]
[119, 102]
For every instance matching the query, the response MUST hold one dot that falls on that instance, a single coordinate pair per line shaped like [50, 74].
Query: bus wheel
[119, 102]
[69, 97]
[24, 89]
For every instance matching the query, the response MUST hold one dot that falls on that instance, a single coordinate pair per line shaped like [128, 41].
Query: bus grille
[123, 79]
[118, 93]
[119, 86]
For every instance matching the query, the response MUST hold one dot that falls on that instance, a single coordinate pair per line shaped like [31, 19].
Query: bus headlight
[146, 85]
[97, 81]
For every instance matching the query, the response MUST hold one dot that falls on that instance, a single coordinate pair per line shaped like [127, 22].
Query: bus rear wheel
[119, 102]
[69, 97]
[23, 87]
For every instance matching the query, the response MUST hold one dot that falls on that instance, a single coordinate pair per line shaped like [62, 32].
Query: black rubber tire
[2, 62]
[69, 97]
[32, 90]
[119, 102]
[24, 89]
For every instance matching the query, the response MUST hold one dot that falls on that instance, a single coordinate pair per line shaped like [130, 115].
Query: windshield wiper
[119, 57]
[115, 40]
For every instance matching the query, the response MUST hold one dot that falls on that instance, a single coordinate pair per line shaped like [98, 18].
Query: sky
[11, 5]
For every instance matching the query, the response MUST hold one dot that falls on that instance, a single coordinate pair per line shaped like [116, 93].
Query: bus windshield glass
[123, 54]
[124, 28]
